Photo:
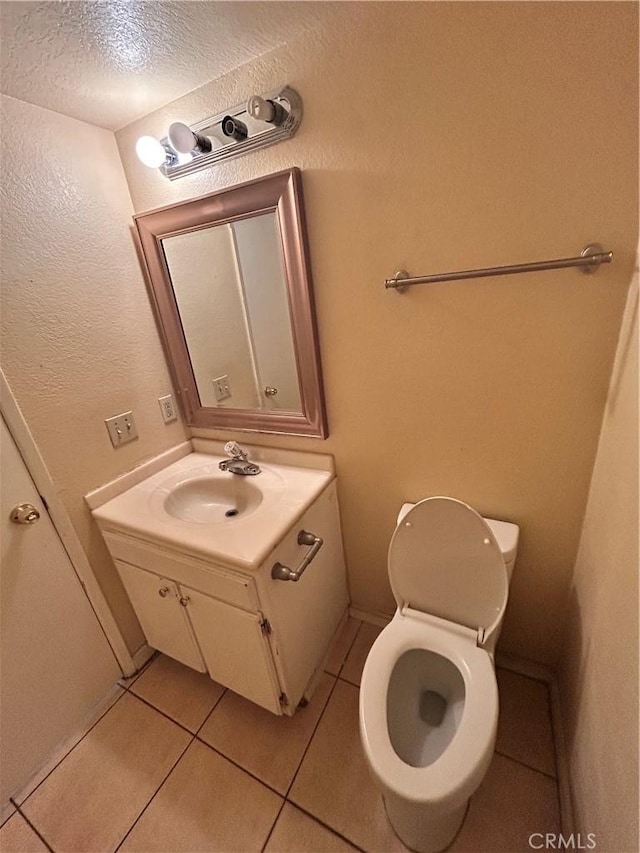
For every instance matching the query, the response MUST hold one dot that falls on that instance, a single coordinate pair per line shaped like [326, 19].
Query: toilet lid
[444, 560]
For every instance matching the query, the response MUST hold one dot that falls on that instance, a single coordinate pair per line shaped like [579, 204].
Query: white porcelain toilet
[428, 696]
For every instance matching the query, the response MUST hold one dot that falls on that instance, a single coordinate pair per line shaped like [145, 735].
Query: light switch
[221, 388]
[121, 428]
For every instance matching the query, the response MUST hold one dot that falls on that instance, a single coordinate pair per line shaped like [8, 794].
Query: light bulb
[181, 137]
[258, 108]
[184, 140]
[151, 152]
[269, 111]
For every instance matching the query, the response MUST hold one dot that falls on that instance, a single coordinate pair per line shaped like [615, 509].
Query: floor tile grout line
[68, 753]
[219, 752]
[351, 645]
[216, 703]
[346, 681]
[304, 754]
[315, 729]
[273, 825]
[235, 763]
[524, 764]
[293, 778]
[8, 817]
[162, 713]
[326, 825]
[26, 819]
[172, 719]
[155, 793]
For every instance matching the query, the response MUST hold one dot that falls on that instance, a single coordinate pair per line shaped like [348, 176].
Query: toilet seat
[444, 560]
[456, 774]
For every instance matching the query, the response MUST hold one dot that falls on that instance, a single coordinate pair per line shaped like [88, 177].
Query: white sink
[207, 495]
[198, 509]
[206, 500]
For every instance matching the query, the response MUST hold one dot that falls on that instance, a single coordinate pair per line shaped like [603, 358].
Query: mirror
[229, 279]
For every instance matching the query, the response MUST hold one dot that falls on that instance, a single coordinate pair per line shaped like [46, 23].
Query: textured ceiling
[112, 61]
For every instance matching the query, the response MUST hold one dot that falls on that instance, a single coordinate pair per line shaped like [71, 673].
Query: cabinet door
[306, 614]
[164, 621]
[235, 649]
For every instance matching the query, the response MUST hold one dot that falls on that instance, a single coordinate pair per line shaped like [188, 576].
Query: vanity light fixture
[258, 123]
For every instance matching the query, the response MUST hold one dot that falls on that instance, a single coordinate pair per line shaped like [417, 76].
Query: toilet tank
[505, 532]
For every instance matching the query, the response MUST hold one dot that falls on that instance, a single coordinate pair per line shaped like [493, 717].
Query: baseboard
[529, 668]
[140, 657]
[379, 619]
[562, 761]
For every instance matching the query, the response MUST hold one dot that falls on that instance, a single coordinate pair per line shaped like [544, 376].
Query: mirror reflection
[230, 288]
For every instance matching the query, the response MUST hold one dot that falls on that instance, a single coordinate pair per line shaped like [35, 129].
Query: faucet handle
[234, 450]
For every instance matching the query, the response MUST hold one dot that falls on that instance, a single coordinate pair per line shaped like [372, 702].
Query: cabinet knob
[163, 592]
[185, 600]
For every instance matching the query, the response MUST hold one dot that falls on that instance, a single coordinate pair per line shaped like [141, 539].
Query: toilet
[428, 695]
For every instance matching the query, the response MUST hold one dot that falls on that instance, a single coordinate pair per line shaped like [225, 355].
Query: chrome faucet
[239, 461]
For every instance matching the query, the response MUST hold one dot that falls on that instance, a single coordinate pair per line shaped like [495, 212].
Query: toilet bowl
[428, 695]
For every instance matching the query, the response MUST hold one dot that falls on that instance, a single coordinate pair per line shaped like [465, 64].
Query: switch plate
[221, 388]
[121, 428]
[168, 408]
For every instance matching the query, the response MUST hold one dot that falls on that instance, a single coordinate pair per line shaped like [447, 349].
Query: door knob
[24, 514]
[163, 592]
[270, 392]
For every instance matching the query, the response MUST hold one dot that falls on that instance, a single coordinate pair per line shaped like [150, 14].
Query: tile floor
[179, 764]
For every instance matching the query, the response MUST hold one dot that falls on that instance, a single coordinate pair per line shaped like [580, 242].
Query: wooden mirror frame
[281, 194]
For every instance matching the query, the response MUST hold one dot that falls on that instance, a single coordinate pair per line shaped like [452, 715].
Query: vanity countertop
[275, 499]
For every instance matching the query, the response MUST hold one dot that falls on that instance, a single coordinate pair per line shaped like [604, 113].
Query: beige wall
[79, 342]
[441, 136]
[600, 663]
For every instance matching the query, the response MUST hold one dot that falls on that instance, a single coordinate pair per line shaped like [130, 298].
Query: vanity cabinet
[261, 637]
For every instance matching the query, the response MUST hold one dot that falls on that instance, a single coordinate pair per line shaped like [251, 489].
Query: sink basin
[195, 508]
[210, 500]
[207, 495]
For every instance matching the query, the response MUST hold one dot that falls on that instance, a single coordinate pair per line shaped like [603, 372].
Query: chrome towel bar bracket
[589, 260]
[283, 573]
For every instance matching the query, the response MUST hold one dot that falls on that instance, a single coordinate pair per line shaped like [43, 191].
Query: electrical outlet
[121, 428]
[168, 409]
[221, 388]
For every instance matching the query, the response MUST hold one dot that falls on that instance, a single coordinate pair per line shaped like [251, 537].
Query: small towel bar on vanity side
[283, 573]
[589, 260]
